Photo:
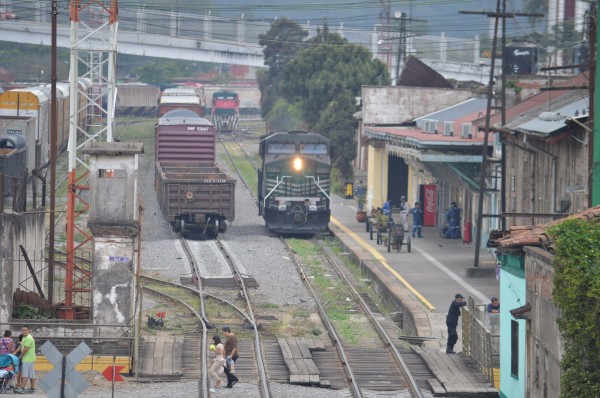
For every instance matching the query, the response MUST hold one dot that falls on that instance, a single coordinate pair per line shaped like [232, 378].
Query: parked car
[7, 16]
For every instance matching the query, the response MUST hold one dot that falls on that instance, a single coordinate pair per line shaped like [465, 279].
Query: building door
[397, 179]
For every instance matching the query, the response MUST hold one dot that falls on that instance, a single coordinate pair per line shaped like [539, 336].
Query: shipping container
[137, 100]
[183, 136]
[169, 103]
[12, 160]
[195, 197]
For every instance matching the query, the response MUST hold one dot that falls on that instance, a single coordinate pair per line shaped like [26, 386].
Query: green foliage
[26, 311]
[159, 71]
[338, 124]
[284, 117]
[26, 62]
[281, 43]
[576, 292]
[313, 84]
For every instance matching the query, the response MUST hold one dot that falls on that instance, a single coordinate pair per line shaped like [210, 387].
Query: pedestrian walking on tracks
[218, 363]
[231, 356]
[452, 321]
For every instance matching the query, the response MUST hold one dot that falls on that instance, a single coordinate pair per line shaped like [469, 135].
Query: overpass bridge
[205, 38]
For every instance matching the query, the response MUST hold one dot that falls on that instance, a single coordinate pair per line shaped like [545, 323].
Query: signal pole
[99, 42]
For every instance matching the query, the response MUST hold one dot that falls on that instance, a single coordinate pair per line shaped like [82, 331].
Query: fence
[481, 339]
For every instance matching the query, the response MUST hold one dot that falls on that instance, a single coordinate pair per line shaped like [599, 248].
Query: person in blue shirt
[494, 306]
[452, 321]
[387, 207]
[417, 220]
[453, 217]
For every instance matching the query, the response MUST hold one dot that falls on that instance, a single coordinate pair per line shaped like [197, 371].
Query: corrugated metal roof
[579, 109]
[538, 103]
[455, 111]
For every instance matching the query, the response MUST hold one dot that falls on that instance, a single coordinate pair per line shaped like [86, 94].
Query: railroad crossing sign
[113, 372]
[64, 380]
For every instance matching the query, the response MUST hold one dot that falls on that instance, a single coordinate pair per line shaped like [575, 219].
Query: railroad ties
[297, 354]
[162, 358]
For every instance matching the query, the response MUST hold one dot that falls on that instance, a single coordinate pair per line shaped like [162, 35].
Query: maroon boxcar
[183, 136]
[194, 194]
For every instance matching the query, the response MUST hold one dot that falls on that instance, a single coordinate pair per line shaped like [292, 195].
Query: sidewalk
[431, 274]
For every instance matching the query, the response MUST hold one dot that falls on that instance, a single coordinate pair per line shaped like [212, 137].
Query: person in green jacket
[26, 352]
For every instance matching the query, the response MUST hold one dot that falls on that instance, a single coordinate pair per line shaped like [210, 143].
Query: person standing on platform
[387, 207]
[494, 306]
[232, 354]
[452, 321]
[453, 216]
[417, 220]
[404, 210]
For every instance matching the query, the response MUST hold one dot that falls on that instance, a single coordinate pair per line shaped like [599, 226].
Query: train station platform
[421, 283]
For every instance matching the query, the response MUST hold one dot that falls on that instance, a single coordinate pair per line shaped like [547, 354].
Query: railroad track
[376, 366]
[385, 365]
[194, 299]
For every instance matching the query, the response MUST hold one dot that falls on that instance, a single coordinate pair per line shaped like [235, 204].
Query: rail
[257, 346]
[380, 330]
[347, 368]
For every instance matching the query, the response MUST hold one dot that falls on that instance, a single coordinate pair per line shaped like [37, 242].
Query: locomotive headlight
[297, 164]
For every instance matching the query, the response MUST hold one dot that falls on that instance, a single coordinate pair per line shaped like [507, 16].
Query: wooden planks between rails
[297, 354]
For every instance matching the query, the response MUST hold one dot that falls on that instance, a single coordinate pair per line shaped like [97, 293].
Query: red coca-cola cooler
[428, 200]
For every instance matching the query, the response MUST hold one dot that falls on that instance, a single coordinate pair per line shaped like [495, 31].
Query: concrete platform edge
[415, 317]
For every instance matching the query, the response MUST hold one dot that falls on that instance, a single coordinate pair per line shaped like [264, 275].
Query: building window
[514, 348]
[545, 373]
[536, 366]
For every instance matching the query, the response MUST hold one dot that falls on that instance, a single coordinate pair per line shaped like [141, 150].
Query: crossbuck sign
[64, 381]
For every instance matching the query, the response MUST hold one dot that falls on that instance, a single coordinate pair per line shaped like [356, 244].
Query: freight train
[225, 112]
[194, 194]
[182, 97]
[26, 112]
[294, 182]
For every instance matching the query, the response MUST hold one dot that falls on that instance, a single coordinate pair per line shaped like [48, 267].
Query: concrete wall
[114, 280]
[377, 170]
[26, 230]
[544, 345]
[512, 294]
[396, 105]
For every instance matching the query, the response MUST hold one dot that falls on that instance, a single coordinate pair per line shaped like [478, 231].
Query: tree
[158, 72]
[281, 43]
[310, 77]
[338, 124]
[576, 292]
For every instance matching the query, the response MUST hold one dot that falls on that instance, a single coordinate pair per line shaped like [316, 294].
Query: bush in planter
[361, 202]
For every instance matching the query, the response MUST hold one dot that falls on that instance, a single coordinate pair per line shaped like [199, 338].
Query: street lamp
[555, 117]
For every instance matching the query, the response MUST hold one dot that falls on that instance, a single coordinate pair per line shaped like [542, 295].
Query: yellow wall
[97, 363]
[377, 174]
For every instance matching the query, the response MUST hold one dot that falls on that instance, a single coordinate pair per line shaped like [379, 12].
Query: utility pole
[53, 139]
[490, 93]
[594, 142]
[401, 17]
